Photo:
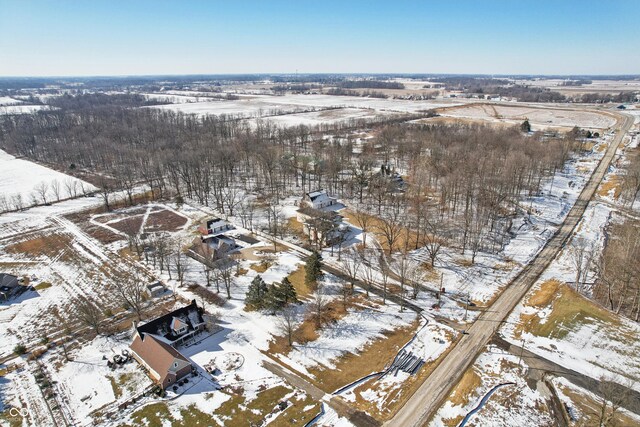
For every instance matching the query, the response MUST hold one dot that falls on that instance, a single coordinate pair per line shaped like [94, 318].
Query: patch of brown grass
[570, 310]
[50, 245]
[463, 262]
[468, 384]
[372, 358]
[42, 286]
[261, 267]
[296, 413]
[241, 272]
[408, 238]
[614, 183]
[297, 280]
[296, 228]
[589, 409]
[130, 226]
[543, 296]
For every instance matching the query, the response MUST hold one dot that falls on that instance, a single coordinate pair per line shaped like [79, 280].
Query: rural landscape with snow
[301, 249]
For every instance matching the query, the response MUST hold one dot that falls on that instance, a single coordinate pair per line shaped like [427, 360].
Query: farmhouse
[9, 286]
[155, 343]
[318, 199]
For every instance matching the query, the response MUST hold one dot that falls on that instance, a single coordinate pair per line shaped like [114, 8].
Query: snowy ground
[21, 177]
[21, 109]
[598, 344]
[6, 100]
[539, 118]
[512, 405]
[264, 105]
[331, 116]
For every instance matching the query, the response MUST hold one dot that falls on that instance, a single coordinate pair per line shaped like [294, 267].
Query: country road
[429, 397]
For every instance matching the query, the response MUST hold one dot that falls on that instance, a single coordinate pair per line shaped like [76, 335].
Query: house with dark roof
[155, 344]
[318, 199]
[10, 286]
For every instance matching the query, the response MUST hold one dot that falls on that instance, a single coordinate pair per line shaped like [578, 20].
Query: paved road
[437, 387]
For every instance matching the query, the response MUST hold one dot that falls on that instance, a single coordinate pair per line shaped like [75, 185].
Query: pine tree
[280, 295]
[288, 292]
[313, 269]
[274, 300]
[525, 126]
[256, 293]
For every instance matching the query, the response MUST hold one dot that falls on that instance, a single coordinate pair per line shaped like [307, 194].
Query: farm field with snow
[29, 181]
[264, 105]
[540, 118]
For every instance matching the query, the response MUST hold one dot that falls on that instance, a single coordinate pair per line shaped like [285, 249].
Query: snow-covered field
[6, 100]
[20, 177]
[540, 118]
[331, 116]
[264, 105]
[21, 109]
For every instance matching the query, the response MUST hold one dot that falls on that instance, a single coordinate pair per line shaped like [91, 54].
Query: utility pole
[466, 307]
[521, 351]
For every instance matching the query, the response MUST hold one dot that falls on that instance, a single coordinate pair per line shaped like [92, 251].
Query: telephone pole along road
[432, 393]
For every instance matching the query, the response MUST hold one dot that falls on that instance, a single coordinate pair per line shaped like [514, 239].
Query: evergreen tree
[313, 269]
[280, 295]
[288, 292]
[274, 300]
[525, 126]
[256, 293]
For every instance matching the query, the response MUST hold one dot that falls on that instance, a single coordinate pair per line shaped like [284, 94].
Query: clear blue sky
[128, 37]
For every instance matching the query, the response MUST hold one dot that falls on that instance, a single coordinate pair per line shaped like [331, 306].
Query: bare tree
[71, 186]
[247, 209]
[55, 187]
[287, 323]
[317, 309]
[88, 313]
[434, 238]
[41, 190]
[612, 397]
[224, 274]
[351, 262]
[18, 203]
[178, 262]
[391, 227]
[131, 292]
